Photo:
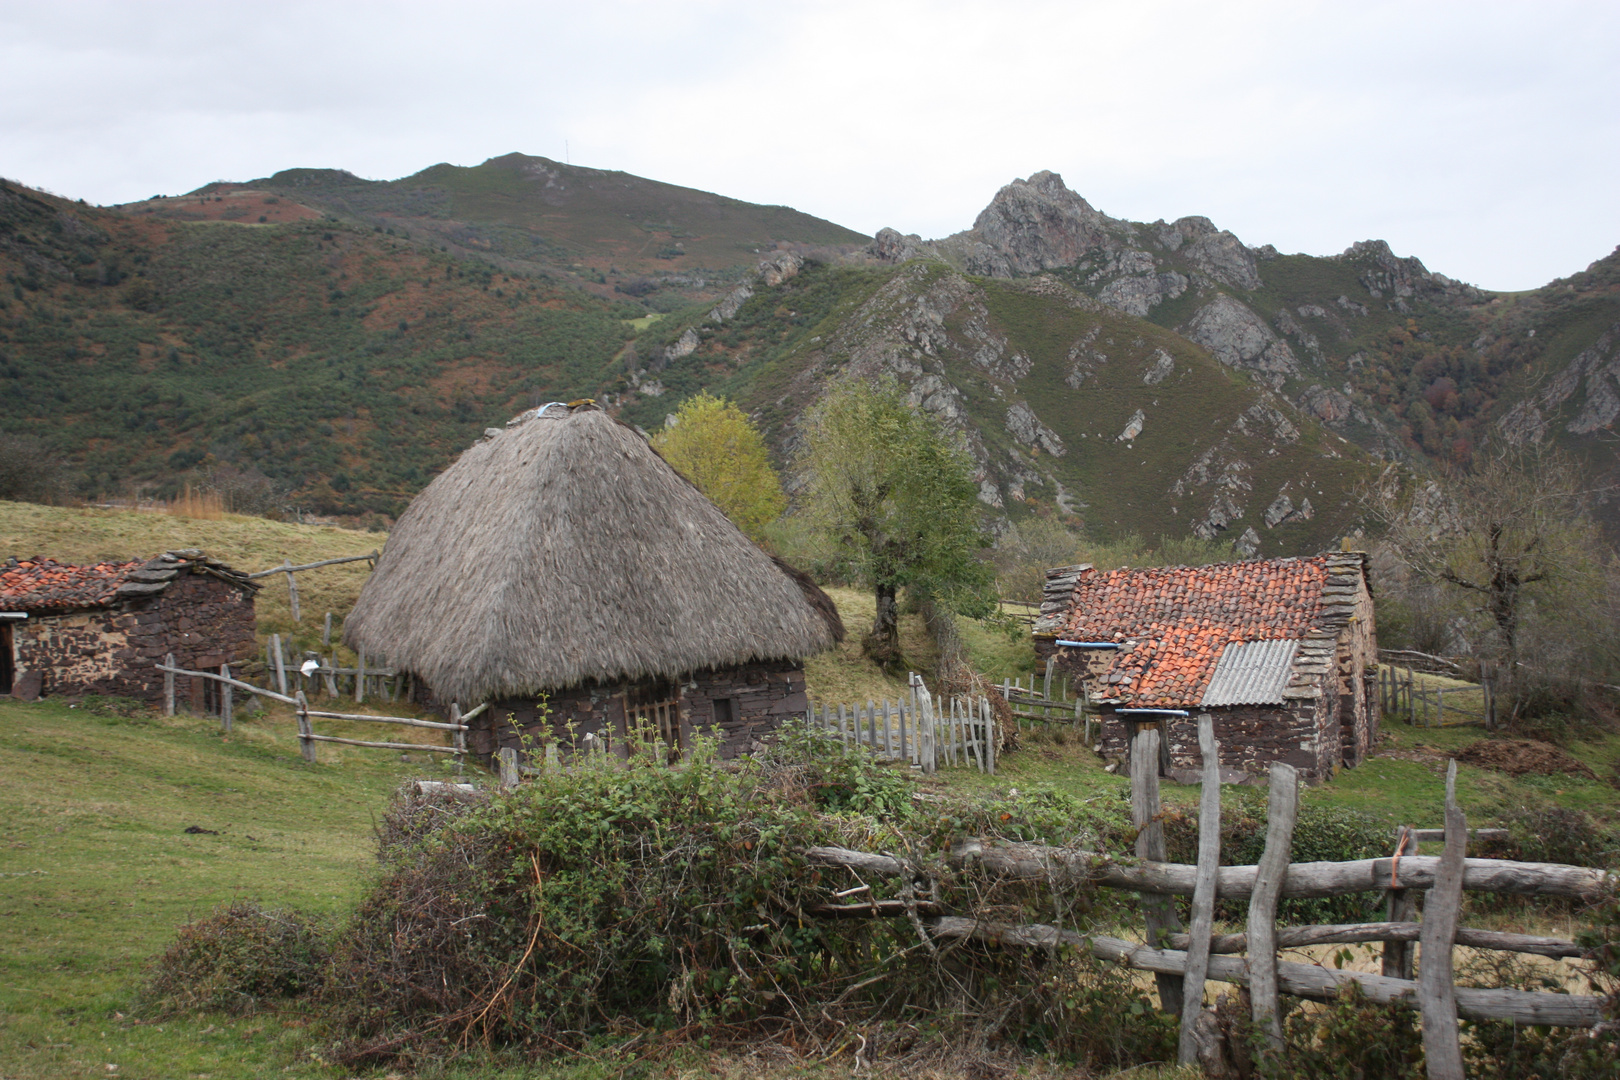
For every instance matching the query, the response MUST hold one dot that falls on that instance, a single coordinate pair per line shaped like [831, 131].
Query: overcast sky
[1482, 137]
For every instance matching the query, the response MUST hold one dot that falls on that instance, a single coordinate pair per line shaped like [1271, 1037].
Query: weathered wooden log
[1402, 906]
[284, 568]
[1437, 990]
[409, 721]
[1299, 937]
[425, 747]
[239, 684]
[1281, 812]
[1069, 866]
[1158, 910]
[1314, 879]
[1203, 902]
[1300, 980]
[306, 731]
[855, 860]
[443, 787]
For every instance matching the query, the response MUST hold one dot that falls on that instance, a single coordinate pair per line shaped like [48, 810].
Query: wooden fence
[307, 736]
[1401, 695]
[1183, 960]
[953, 731]
[1035, 703]
[292, 571]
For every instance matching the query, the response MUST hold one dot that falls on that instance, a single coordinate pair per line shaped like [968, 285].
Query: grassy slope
[96, 872]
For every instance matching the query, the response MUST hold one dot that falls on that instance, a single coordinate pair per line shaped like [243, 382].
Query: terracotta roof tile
[1182, 618]
[41, 584]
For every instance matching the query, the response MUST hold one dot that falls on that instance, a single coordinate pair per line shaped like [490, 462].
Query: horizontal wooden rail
[389, 720]
[249, 687]
[312, 566]
[1035, 863]
[429, 748]
[1296, 937]
[1437, 836]
[1300, 980]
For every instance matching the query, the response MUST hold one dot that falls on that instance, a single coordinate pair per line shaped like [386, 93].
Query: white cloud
[1482, 138]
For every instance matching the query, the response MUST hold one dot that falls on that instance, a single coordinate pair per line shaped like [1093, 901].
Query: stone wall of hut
[736, 706]
[202, 620]
[1303, 733]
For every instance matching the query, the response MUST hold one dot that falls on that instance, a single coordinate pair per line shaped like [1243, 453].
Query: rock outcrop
[1239, 338]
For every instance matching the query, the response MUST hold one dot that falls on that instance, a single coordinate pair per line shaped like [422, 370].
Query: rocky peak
[1037, 224]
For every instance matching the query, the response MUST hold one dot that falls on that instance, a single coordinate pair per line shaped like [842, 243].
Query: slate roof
[41, 584]
[1174, 623]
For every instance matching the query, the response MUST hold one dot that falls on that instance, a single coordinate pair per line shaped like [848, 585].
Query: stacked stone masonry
[204, 619]
[734, 706]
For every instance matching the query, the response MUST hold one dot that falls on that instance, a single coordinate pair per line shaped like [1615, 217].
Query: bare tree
[1511, 547]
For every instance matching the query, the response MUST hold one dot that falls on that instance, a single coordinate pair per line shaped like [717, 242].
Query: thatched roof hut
[565, 550]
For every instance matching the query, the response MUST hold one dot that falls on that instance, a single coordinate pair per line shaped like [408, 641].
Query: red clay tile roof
[1183, 617]
[41, 584]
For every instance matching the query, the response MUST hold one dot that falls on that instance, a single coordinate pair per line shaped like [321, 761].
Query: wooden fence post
[1046, 685]
[509, 768]
[292, 590]
[1397, 962]
[326, 632]
[280, 664]
[1281, 811]
[459, 741]
[927, 725]
[1437, 992]
[991, 746]
[1203, 901]
[360, 680]
[305, 729]
[168, 686]
[226, 712]
[1158, 910]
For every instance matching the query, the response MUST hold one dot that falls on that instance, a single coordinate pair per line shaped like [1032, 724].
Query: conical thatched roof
[565, 549]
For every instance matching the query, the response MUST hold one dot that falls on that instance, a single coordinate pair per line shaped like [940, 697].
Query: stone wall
[202, 620]
[758, 697]
[1304, 733]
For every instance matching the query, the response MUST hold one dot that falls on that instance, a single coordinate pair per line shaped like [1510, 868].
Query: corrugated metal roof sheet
[1251, 673]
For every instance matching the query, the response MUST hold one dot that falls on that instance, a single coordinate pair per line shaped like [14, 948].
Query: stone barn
[1281, 653]
[563, 572]
[99, 629]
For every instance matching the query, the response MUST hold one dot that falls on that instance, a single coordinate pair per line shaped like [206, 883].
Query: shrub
[601, 899]
[1321, 834]
[237, 960]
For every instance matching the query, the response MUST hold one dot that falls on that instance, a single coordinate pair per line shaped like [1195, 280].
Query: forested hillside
[345, 364]
[350, 337]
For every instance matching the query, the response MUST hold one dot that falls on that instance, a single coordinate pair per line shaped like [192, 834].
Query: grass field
[97, 871]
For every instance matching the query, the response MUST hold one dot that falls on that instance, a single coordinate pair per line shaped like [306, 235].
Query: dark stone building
[1281, 653]
[100, 629]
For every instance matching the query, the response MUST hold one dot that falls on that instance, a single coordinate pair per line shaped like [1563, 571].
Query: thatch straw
[566, 550]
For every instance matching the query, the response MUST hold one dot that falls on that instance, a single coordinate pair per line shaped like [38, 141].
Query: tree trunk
[882, 645]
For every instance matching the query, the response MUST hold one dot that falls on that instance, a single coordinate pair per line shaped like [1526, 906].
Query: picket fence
[916, 729]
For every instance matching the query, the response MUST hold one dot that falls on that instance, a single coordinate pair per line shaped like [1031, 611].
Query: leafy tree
[893, 495]
[715, 445]
[1510, 548]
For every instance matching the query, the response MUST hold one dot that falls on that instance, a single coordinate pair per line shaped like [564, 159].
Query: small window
[725, 711]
